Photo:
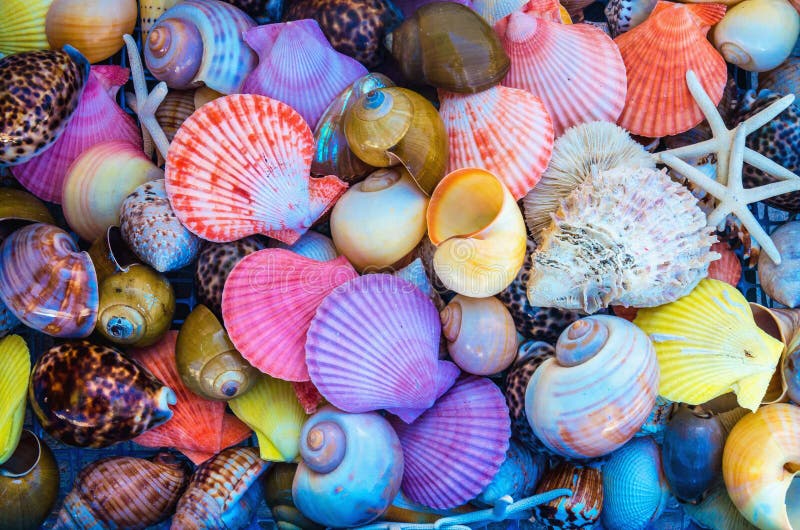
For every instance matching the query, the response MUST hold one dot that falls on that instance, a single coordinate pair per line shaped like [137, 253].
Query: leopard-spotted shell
[216, 261]
[530, 356]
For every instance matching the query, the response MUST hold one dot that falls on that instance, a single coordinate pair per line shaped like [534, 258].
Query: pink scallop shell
[576, 70]
[454, 450]
[297, 65]
[97, 119]
[727, 268]
[240, 166]
[268, 302]
[374, 344]
[516, 147]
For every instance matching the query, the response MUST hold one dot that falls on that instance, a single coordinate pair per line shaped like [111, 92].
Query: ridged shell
[173, 111]
[390, 357]
[119, 398]
[294, 57]
[240, 166]
[453, 451]
[268, 304]
[582, 509]
[47, 87]
[224, 492]
[47, 282]
[516, 148]
[22, 24]
[124, 492]
[624, 15]
[517, 477]
[658, 101]
[635, 491]
[96, 119]
[312, 245]
[600, 145]
[728, 268]
[215, 263]
[199, 428]
[271, 409]
[15, 369]
[151, 229]
[494, 10]
[708, 344]
[615, 240]
[784, 79]
[597, 392]
[576, 70]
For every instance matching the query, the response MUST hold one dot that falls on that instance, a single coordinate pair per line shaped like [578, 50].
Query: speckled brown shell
[93, 396]
[39, 91]
[580, 510]
[531, 355]
[535, 323]
[216, 261]
[353, 27]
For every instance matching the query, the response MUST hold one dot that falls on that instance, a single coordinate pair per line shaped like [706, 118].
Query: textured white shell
[629, 237]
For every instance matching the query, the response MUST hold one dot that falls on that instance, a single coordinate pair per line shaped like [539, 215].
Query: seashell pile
[399, 264]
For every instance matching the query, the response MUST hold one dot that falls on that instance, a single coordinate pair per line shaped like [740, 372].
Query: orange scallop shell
[727, 268]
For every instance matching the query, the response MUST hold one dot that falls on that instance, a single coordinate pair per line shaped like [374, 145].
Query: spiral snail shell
[351, 468]
[583, 508]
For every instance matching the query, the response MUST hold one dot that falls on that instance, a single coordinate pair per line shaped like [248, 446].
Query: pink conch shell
[269, 300]
[199, 428]
[727, 268]
[576, 70]
[657, 55]
[240, 166]
[504, 130]
[374, 344]
[454, 450]
[297, 65]
[97, 119]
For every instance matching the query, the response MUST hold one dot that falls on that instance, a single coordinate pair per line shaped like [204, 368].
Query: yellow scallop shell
[708, 344]
[22, 25]
[15, 368]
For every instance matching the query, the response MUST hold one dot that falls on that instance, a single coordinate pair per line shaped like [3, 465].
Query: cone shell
[454, 450]
[760, 466]
[293, 60]
[124, 492]
[269, 300]
[199, 428]
[583, 508]
[271, 409]
[576, 70]
[48, 85]
[614, 240]
[479, 233]
[600, 145]
[97, 183]
[152, 230]
[516, 148]
[390, 359]
[708, 344]
[97, 118]
[47, 283]
[214, 264]
[263, 188]
[658, 102]
[727, 268]
[15, 367]
[105, 379]
[312, 245]
[22, 26]
[94, 27]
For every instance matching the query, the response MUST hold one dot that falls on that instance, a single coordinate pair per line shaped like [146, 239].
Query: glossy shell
[391, 126]
[530, 357]
[517, 477]
[136, 307]
[18, 208]
[94, 27]
[30, 474]
[597, 392]
[47, 283]
[380, 220]
[152, 230]
[124, 492]
[449, 46]
[15, 369]
[119, 398]
[583, 508]
[312, 245]
[785, 79]
[49, 86]
[351, 468]
[207, 361]
[479, 233]
[782, 282]
[278, 496]
[215, 263]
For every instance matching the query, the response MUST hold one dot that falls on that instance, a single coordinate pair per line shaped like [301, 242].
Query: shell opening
[375, 105]
[451, 320]
[166, 397]
[324, 447]
[380, 180]
[25, 457]
[123, 324]
[581, 341]
[464, 203]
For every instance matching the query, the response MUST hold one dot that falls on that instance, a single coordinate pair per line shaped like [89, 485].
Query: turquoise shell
[517, 477]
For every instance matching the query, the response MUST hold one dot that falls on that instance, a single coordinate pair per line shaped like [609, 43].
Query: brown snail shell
[580, 510]
[18, 208]
[110, 254]
[449, 46]
[207, 360]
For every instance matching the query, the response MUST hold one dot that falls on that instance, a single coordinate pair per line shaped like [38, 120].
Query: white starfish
[147, 104]
[722, 138]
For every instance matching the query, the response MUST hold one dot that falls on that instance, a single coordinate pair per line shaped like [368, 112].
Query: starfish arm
[689, 151]
[139, 87]
[758, 233]
[771, 190]
[765, 116]
[756, 159]
[695, 176]
[708, 107]
[736, 160]
[719, 214]
[147, 116]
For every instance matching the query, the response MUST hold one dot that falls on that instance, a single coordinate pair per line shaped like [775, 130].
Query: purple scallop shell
[453, 450]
